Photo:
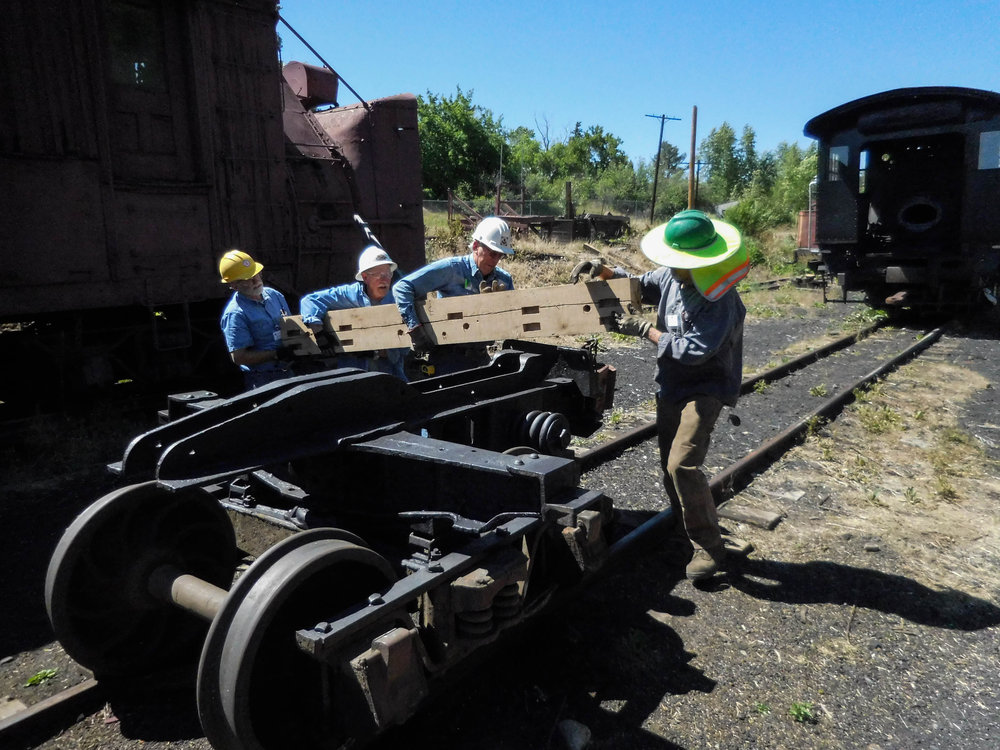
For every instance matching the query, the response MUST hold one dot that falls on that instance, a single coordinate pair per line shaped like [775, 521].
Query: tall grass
[540, 262]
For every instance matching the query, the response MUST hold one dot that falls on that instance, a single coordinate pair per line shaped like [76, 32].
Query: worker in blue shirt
[251, 322]
[451, 277]
[373, 286]
[699, 341]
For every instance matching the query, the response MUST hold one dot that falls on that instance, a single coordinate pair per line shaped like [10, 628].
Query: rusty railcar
[397, 532]
[139, 140]
[906, 196]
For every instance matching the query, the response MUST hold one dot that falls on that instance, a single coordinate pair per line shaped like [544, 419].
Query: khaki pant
[684, 431]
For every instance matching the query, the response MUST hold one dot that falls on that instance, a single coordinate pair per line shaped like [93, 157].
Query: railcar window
[862, 172]
[135, 34]
[837, 163]
[989, 150]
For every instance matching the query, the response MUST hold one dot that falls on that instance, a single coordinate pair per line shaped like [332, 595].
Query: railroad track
[767, 422]
[755, 448]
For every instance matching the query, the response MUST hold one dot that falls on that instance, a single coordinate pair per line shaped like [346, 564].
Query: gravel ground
[868, 618]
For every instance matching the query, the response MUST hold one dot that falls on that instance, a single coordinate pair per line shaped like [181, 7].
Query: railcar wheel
[97, 585]
[256, 689]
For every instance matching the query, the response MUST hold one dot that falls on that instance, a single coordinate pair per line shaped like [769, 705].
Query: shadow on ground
[833, 583]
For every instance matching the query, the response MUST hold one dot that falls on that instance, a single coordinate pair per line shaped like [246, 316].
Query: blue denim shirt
[343, 297]
[701, 349]
[449, 277]
[252, 324]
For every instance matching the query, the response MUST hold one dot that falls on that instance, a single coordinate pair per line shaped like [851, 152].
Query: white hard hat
[372, 256]
[495, 234]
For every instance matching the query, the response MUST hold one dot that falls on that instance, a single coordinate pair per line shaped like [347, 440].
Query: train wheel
[97, 585]
[256, 689]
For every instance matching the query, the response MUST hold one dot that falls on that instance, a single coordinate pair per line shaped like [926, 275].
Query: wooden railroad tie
[763, 518]
[568, 309]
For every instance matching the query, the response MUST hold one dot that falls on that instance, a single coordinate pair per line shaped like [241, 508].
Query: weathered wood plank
[763, 518]
[569, 309]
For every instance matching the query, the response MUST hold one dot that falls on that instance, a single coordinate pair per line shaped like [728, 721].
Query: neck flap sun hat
[712, 250]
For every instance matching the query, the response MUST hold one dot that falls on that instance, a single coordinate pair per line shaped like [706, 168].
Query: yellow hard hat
[237, 265]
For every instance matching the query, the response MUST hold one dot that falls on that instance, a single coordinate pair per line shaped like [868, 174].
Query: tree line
[466, 148]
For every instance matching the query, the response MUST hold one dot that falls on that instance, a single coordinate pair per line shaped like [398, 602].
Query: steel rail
[48, 716]
[601, 453]
[735, 476]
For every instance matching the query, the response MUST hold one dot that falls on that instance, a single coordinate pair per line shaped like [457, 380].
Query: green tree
[721, 173]
[460, 145]
[585, 154]
[795, 169]
[671, 160]
[732, 165]
[777, 191]
[522, 157]
[746, 157]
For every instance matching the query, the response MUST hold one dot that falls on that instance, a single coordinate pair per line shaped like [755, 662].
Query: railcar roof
[845, 116]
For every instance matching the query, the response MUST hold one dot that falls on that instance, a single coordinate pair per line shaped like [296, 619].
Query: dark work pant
[684, 431]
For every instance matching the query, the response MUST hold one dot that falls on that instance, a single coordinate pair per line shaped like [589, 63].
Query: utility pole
[656, 174]
[692, 198]
[496, 211]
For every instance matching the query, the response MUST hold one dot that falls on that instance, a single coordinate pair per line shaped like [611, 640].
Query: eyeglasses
[377, 274]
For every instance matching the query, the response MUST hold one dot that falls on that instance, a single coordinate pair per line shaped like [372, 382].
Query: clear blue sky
[771, 65]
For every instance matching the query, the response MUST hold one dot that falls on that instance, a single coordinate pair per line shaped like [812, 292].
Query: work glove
[588, 269]
[325, 342]
[496, 286]
[420, 341]
[285, 353]
[632, 325]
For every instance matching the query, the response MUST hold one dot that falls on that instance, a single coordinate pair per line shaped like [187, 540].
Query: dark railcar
[139, 140]
[907, 196]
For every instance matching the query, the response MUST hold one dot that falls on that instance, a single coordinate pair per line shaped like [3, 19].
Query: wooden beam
[763, 518]
[569, 309]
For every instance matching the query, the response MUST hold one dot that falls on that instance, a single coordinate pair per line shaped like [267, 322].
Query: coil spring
[547, 431]
[479, 623]
[474, 623]
[507, 603]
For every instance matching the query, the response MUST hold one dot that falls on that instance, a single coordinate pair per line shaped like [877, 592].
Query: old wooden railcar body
[906, 196]
[143, 138]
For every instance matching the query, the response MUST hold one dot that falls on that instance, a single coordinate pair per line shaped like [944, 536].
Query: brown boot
[706, 563]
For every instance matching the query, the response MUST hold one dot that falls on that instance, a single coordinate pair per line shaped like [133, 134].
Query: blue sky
[771, 65]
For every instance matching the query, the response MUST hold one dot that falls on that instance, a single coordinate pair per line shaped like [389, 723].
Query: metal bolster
[318, 413]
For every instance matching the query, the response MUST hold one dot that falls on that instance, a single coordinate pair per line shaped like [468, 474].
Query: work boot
[677, 551]
[705, 563]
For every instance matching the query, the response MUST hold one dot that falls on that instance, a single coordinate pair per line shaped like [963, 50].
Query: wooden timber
[569, 309]
[763, 518]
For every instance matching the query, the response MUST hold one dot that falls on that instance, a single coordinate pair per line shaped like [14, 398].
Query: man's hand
[588, 269]
[325, 342]
[633, 325]
[285, 353]
[496, 286]
[420, 341]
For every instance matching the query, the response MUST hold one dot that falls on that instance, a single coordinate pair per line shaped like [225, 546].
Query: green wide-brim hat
[691, 240]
